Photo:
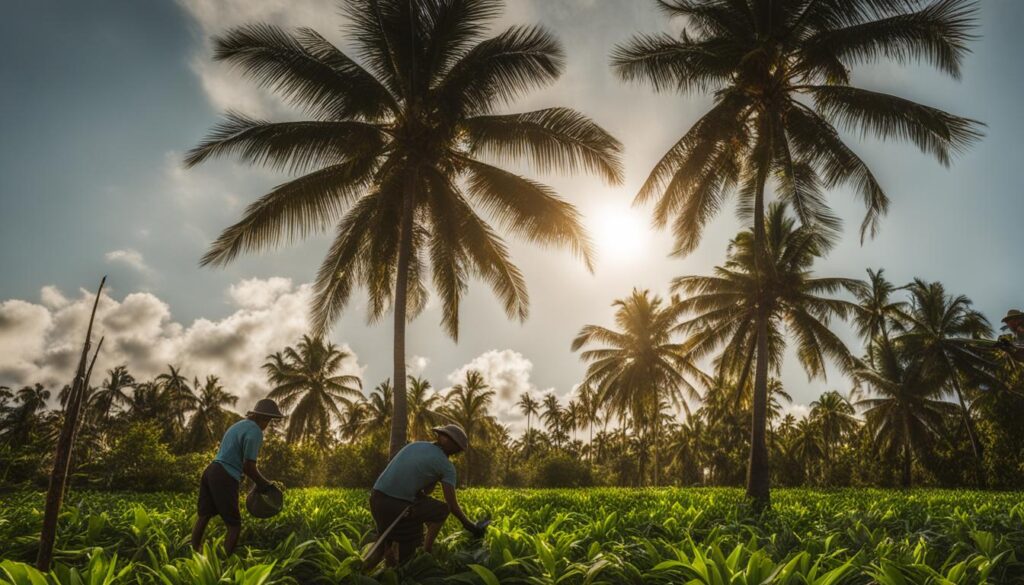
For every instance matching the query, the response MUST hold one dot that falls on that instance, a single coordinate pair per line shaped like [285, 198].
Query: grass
[699, 536]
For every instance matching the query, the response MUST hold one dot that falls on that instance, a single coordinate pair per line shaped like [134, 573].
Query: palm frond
[553, 139]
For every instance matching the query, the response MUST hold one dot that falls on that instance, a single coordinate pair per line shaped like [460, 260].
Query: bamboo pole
[62, 457]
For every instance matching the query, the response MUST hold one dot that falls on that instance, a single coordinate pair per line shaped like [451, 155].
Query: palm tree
[530, 408]
[353, 421]
[836, 420]
[111, 393]
[467, 404]
[23, 418]
[381, 406]
[306, 380]
[553, 418]
[780, 74]
[177, 394]
[589, 406]
[906, 415]
[877, 309]
[211, 417]
[639, 366]
[940, 329]
[423, 408]
[784, 292]
[392, 157]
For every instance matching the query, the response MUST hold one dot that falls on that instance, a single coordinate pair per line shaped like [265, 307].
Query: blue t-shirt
[417, 465]
[241, 443]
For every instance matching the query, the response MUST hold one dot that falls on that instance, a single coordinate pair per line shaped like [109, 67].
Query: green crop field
[567, 536]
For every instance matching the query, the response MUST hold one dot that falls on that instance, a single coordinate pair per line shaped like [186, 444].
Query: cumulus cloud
[417, 365]
[40, 342]
[797, 410]
[507, 372]
[130, 258]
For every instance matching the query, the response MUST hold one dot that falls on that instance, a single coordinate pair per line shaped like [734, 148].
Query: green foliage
[696, 536]
[561, 471]
[139, 460]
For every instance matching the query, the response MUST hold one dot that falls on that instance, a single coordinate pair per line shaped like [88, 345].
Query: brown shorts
[218, 495]
[408, 533]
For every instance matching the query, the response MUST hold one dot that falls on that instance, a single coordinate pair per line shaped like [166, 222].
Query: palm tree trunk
[975, 444]
[400, 416]
[757, 470]
[907, 461]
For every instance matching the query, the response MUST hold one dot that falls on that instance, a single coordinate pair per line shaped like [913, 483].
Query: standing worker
[1013, 343]
[218, 488]
[400, 500]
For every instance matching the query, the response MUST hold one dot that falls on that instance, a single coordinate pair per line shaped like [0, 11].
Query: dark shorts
[218, 495]
[408, 533]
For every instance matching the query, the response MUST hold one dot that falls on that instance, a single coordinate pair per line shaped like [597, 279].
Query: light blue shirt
[241, 443]
[417, 465]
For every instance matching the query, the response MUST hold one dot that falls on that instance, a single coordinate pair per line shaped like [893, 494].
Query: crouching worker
[218, 488]
[402, 493]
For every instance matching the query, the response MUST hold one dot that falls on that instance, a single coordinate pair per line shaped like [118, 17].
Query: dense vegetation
[707, 536]
[157, 435]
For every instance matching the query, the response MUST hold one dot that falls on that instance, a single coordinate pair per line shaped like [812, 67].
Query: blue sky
[100, 100]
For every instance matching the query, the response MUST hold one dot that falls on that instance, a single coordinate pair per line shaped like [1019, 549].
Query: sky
[101, 100]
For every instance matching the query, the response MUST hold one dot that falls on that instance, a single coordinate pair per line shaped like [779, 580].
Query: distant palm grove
[402, 152]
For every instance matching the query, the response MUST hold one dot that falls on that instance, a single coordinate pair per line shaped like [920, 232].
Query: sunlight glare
[621, 234]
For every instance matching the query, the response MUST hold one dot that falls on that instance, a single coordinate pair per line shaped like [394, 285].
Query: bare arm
[250, 469]
[453, 504]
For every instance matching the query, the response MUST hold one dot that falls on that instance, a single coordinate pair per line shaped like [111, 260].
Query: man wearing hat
[402, 493]
[1013, 343]
[218, 488]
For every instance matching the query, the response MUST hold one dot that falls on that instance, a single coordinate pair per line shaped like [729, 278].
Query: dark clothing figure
[408, 533]
[218, 495]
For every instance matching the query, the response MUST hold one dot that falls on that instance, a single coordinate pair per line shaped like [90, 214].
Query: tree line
[931, 401]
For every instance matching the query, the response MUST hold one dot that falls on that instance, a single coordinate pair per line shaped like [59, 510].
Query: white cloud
[417, 365]
[40, 342]
[507, 372]
[130, 258]
[226, 89]
[796, 409]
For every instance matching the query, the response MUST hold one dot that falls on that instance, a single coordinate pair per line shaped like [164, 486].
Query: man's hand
[477, 530]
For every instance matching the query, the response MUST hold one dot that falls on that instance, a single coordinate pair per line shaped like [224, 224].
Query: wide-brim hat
[455, 433]
[1013, 315]
[266, 407]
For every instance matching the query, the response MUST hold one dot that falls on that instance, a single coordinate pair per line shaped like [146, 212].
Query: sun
[620, 232]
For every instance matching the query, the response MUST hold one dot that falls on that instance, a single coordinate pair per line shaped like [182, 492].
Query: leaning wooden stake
[62, 457]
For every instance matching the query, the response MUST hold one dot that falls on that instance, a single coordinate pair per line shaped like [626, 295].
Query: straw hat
[455, 433]
[1013, 315]
[266, 407]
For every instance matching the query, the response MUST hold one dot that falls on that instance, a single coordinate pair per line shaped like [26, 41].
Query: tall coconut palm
[906, 414]
[23, 418]
[836, 420]
[941, 329]
[177, 394]
[111, 393]
[781, 289]
[779, 71]
[553, 416]
[306, 381]
[212, 416]
[639, 365]
[392, 157]
[381, 406]
[424, 405]
[467, 404]
[530, 407]
[878, 311]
